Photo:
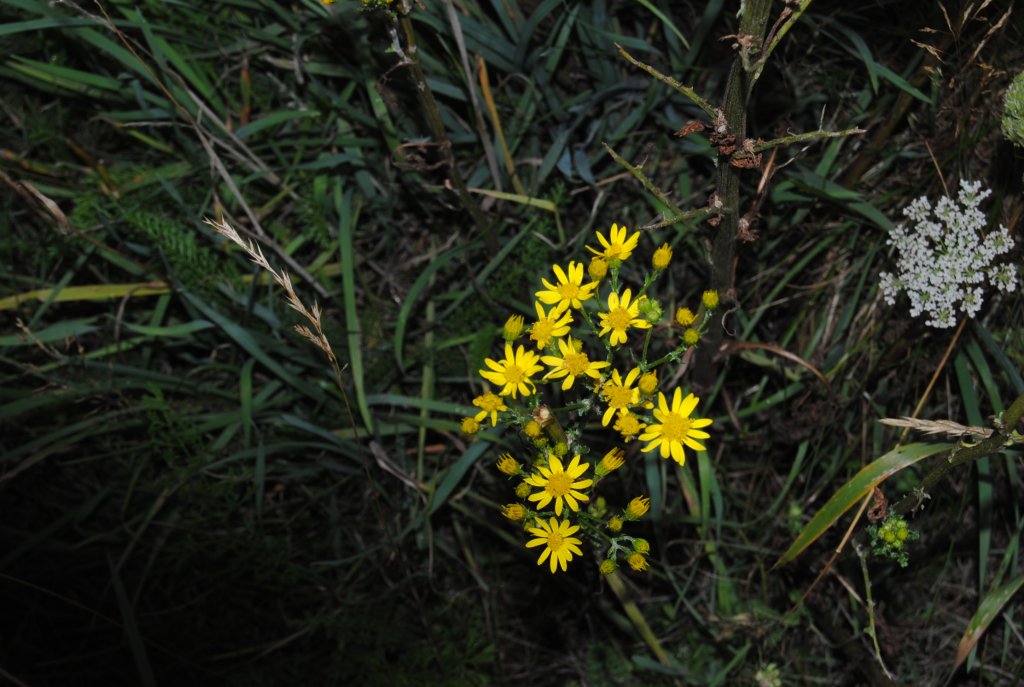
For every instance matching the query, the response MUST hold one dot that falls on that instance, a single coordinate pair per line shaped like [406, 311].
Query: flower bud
[514, 511]
[638, 507]
[597, 269]
[469, 426]
[685, 317]
[662, 257]
[607, 566]
[513, 328]
[637, 562]
[710, 299]
[642, 546]
[508, 465]
[615, 523]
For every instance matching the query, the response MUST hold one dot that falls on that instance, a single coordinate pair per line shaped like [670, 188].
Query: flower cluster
[576, 305]
[889, 539]
[943, 260]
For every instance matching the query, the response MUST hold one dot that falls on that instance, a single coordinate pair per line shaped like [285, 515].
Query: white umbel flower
[943, 261]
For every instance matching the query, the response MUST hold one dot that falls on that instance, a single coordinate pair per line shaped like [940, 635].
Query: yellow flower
[513, 373]
[637, 508]
[615, 523]
[618, 247]
[570, 290]
[691, 336]
[637, 561]
[549, 325]
[532, 429]
[573, 363]
[559, 546]
[607, 566]
[662, 257]
[710, 299]
[648, 383]
[628, 425]
[685, 317]
[469, 426]
[489, 403]
[514, 511]
[507, 464]
[560, 484]
[612, 461]
[619, 394]
[597, 269]
[621, 316]
[513, 327]
[674, 427]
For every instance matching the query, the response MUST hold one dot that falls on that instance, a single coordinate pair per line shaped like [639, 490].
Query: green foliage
[1013, 111]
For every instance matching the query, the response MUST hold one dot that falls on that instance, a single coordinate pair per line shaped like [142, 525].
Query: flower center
[613, 252]
[514, 374]
[618, 396]
[675, 427]
[576, 363]
[559, 484]
[541, 330]
[554, 541]
[568, 291]
[620, 319]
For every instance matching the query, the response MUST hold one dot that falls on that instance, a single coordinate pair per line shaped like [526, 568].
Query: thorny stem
[433, 114]
[647, 184]
[800, 138]
[685, 90]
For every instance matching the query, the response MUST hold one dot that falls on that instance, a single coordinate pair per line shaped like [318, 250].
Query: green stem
[800, 138]
[685, 90]
[647, 183]
[436, 122]
[989, 446]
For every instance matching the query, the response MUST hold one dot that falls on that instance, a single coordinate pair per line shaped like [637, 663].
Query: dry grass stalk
[948, 427]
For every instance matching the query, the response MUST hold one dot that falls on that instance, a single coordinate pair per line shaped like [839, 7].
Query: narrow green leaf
[988, 610]
[857, 488]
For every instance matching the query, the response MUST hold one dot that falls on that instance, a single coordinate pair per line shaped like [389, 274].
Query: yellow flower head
[570, 290]
[549, 325]
[532, 429]
[648, 383]
[489, 404]
[469, 426]
[691, 336]
[514, 372]
[560, 484]
[559, 545]
[597, 269]
[674, 428]
[621, 316]
[685, 317]
[617, 247]
[638, 507]
[513, 327]
[710, 299]
[612, 461]
[514, 511]
[662, 257]
[607, 566]
[619, 394]
[637, 562]
[507, 464]
[573, 363]
[628, 425]
[615, 523]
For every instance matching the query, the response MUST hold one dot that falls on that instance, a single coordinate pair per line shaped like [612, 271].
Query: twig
[685, 90]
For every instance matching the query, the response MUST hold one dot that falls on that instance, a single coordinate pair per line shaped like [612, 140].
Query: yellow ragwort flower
[691, 336]
[597, 269]
[532, 429]
[560, 484]
[637, 508]
[637, 561]
[628, 425]
[612, 461]
[674, 428]
[549, 325]
[685, 317]
[573, 363]
[514, 511]
[648, 383]
[570, 290]
[621, 316]
[619, 394]
[559, 545]
[469, 426]
[490, 404]
[662, 257]
[509, 465]
[618, 247]
[514, 372]
[710, 299]
[513, 327]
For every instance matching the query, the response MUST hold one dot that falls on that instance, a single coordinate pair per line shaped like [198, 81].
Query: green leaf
[857, 488]
[988, 610]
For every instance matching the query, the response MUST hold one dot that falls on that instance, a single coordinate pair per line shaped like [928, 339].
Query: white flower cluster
[943, 260]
